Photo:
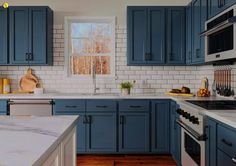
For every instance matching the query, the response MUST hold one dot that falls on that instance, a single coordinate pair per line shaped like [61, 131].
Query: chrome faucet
[94, 79]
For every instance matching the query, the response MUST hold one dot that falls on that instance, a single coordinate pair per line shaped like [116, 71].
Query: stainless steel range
[193, 124]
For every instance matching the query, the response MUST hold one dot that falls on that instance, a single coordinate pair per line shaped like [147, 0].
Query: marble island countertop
[28, 140]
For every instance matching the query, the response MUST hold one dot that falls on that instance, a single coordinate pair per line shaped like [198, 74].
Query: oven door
[192, 150]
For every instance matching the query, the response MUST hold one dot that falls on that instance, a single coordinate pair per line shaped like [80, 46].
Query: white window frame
[68, 21]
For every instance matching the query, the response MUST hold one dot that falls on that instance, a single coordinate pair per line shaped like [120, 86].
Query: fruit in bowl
[203, 92]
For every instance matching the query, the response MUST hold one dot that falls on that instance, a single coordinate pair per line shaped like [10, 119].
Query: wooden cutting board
[180, 94]
[28, 82]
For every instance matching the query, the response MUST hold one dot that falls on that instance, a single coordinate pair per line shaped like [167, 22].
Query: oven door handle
[191, 131]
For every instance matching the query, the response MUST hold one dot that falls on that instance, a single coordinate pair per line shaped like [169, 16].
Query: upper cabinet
[3, 34]
[217, 6]
[196, 15]
[175, 35]
[147, 31]
[30, 36]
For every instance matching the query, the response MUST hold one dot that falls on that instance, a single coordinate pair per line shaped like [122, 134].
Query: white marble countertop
[225, 116]
[28, 140]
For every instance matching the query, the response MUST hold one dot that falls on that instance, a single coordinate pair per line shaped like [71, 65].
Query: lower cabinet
[119, 126]
[160, 126]
[220, 144]
[175, 134]
[101, 132]
[133, 132]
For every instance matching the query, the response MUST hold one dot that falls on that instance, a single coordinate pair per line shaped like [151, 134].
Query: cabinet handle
[121, 119]
[26, 56]
[227, 143]
[71, 106]
[234, 160]
[135, 106]
[147, 56]
[89, 119]
[30, 56]
[85, 120]
[171, 56]
[101, 106]
[198, 53]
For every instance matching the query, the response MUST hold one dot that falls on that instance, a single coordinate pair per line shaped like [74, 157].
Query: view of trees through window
[90, 44]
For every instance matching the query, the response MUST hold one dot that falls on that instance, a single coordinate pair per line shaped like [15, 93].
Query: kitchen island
[34, 141]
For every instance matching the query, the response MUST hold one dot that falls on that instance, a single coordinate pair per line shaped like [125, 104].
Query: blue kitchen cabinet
[199, 16]
[175, 134]
[145, 31]
[188, 52]
[74, 107]
[217, 6]
[101, 132]
[4, 35]
[160, 115]
[3, 107]
[175, 35]
[30, 36]
[134, 132]
[211, 146]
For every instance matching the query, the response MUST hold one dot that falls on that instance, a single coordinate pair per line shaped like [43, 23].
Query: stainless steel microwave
[220, 36]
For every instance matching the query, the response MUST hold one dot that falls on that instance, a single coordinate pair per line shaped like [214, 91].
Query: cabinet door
[211, 143]
[3, 107]
[176, 35]
[155, 36]
[37, 35]
[223, 159]
[19, 39]
[213, 7]
[101, 132]
[80, 130]
[133, 132]
[189, 34]
[160, 126]
[136, 32]
[199, 15]
[4, 35]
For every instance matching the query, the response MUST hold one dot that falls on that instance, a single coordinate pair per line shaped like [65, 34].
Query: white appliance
[30, 107]
[192, 136]
[220, 36]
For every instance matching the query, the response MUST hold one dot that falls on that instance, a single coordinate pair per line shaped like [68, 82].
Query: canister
[6, 86]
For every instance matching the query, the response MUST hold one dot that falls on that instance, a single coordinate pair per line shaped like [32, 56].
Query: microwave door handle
[191, 131]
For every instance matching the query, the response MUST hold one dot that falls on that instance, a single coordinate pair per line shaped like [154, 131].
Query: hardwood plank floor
[124, 160]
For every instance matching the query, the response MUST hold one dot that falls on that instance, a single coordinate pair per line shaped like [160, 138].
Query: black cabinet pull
[227, 143]
[171, 56]
[89, 121]
[197, 53]
[71, 106]
[147, 56]
[26, 56]
[135, 106]
[85, 120]
[122, 119]
[101, 106]
[30, 56]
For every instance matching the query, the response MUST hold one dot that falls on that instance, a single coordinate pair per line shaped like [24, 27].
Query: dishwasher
[30, 107]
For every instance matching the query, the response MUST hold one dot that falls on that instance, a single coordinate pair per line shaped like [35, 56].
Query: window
[90, 45]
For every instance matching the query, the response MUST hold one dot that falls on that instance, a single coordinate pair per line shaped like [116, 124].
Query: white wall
[93, 7]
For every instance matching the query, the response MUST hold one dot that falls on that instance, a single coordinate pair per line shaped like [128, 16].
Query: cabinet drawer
[226, 140]
[223, 159]
[134, 105]
[69, 105]
[100, 105]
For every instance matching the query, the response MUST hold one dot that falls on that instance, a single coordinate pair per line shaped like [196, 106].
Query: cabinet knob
[26, 56]
[30, 56]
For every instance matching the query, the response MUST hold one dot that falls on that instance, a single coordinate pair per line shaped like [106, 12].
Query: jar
[6, 86]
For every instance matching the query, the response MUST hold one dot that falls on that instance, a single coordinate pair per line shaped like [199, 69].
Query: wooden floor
[124, 160]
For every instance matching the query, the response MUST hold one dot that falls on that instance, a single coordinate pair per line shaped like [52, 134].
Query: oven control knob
[186, 115]
[180, 111]
[194, 120]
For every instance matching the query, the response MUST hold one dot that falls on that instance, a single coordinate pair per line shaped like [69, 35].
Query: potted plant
[126, 87]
